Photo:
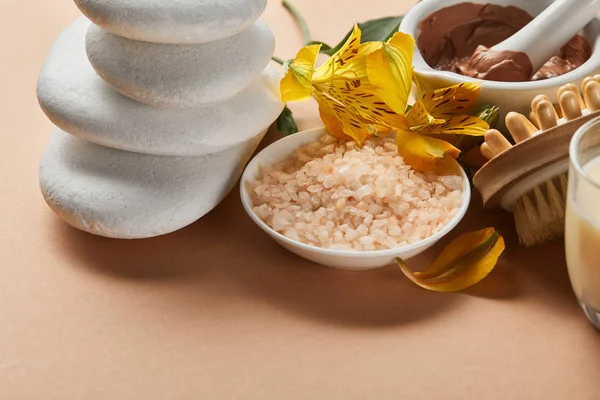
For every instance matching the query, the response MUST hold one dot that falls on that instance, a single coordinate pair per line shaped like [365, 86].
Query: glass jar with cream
[582, 233]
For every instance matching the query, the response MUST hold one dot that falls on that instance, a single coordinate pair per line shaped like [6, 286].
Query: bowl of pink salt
[349, 207]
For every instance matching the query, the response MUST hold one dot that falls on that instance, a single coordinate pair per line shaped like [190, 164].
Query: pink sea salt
[334, 194]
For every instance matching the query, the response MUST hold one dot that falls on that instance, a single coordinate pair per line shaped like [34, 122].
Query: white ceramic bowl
[509, 96]
[341, 259]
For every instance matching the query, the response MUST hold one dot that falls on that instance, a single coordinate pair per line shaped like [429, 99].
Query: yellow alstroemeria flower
[363, 90]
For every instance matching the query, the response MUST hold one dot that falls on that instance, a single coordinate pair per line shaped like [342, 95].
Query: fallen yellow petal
[422, 152]
[389, 68]
[451, 101]
[297, 83]
[463, 263]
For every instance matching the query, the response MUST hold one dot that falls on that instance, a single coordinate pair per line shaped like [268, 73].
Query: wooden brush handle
[513, 165]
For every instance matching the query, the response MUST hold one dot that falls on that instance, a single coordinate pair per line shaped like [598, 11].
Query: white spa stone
[78, 101]
[119, 194]
[173, 21]
[170, 75]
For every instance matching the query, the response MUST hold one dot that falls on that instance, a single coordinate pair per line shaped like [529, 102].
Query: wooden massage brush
[529, 178]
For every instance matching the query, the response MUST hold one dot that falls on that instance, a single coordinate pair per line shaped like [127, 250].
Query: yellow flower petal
[463, 263]
[461, 125]
[367, 48]
[389, 68]
[348, 80]
[418, 117]
[451, 101]
[332, 123]
[362, 100]
[354, 67]
[342, 57]
[297, 83]
[342, 122]
[422, 152]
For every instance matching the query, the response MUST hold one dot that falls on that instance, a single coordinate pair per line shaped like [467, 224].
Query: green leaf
[375, 30]
[286, 123]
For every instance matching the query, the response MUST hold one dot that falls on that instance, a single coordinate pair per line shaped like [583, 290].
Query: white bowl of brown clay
[335, 258]
[509, 96]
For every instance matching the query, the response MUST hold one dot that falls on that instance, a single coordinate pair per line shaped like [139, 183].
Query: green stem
[278, 60]
[301, 21]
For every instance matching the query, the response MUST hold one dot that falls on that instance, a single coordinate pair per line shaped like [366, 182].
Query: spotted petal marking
[348, 123]
[454, 100]
[332, 123]
[342, 58]
[461, 125]
[362, 100]
[354, 69]
[418, 117]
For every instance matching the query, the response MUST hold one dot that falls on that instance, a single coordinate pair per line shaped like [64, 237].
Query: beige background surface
[218, 311]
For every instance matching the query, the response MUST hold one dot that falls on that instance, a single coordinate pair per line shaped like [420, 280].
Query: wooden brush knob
[569, 87]
[487, 151]
[546, 116]
[586, 80]
[569, 104]
[591, 94]
[496, 141]
[519, 126]
[536, 100]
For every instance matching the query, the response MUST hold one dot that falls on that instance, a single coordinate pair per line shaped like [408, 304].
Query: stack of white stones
[159, 105]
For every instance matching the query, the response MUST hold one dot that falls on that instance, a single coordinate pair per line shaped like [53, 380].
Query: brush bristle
[540, 214]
